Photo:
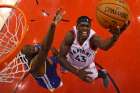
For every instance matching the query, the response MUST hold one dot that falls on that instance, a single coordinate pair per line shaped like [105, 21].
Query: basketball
[112, 13]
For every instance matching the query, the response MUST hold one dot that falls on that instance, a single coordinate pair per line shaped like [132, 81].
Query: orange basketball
[112, 13]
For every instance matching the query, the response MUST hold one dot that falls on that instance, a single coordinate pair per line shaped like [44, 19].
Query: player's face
[83, 31]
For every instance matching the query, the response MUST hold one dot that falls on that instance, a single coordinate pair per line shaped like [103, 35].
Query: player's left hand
[118, 30]
[126, 24]
[58, 16]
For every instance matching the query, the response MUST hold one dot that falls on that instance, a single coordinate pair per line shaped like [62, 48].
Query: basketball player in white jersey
[79, 48]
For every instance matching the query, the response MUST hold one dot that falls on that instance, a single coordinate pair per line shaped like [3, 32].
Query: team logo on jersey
[80, 55]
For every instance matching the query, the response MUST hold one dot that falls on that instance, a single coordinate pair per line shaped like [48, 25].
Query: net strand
[15, 69]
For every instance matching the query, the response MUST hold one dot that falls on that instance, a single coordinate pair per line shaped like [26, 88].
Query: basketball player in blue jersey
[43, 69]
[78, 50]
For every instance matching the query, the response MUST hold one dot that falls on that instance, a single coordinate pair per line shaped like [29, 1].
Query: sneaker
[105, 78]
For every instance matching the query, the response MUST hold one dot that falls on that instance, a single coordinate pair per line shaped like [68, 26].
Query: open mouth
[84, 35]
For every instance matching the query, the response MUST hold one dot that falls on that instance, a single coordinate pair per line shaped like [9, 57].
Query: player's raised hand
[118, 30]
[58, 16]
[126, 24]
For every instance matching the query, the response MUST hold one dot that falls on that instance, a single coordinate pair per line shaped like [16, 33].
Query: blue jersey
[50, 79]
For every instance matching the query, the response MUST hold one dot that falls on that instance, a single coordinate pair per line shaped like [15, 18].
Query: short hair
[84, 20]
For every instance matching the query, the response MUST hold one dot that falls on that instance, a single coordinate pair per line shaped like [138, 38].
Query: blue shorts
[50, 79]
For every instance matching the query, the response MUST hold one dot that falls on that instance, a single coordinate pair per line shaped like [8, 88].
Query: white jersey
[81, 56]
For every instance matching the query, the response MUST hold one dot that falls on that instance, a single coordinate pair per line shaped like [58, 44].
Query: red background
[121, 61]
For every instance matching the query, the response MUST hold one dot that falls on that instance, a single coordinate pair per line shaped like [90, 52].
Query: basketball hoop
[13, 28]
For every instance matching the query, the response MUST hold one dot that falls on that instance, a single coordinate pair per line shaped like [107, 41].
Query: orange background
[121, 61]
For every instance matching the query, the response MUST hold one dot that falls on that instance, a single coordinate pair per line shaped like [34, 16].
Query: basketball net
[13, 27]
[14, 69]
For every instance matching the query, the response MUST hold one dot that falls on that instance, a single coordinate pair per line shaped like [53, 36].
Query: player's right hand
[83, 75]
[58, 16]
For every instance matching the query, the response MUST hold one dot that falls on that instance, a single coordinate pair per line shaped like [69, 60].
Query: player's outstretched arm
[108, 43]
[47, 42]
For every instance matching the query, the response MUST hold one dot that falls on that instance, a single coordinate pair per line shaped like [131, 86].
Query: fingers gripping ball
[112, 13]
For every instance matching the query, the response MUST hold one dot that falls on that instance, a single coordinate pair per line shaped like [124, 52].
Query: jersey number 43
[80, 58]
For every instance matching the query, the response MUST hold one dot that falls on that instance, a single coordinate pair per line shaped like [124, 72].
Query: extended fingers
[60, 12]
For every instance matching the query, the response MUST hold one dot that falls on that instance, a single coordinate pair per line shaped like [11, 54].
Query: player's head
[30, 50]
[83, 26]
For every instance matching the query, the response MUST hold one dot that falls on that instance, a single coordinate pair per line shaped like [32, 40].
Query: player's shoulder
[93, 41]
[94, 37]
